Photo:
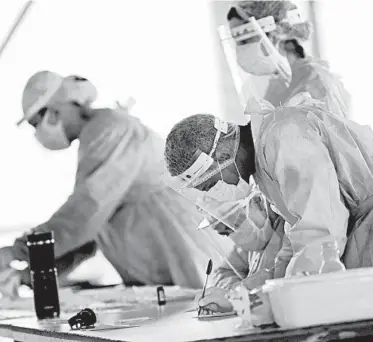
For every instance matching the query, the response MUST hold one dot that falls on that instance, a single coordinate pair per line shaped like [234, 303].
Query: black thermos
[43, 275]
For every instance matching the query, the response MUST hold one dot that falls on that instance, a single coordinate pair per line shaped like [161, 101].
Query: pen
[208, 271]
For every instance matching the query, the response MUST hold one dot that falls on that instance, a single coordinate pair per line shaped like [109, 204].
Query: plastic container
[322, 299]
[331, 262]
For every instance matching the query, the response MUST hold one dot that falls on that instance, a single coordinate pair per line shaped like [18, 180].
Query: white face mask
[225, 199]
[52, 137]
[231, 202]
[252, 59]
[225, 192]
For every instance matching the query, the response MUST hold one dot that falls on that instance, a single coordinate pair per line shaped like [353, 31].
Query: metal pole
[316, 34]
[16, 25]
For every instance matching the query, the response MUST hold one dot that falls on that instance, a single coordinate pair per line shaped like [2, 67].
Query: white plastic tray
[322, 299]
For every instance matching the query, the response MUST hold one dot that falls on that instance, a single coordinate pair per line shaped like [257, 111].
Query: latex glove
[10, 282]
[6, 257]
[214, 301]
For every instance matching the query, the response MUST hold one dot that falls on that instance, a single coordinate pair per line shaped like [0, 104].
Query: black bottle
[43, 275]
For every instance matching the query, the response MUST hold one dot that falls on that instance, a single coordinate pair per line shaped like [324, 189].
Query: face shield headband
[205, 166]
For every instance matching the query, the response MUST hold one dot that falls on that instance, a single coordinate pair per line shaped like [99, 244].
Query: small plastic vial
[331, 262]
[161, 300]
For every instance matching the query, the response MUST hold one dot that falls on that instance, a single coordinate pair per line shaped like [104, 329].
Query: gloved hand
[214, 301]
[10, 282]
[6, 257]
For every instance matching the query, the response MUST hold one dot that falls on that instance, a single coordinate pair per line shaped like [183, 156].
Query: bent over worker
[145, 230]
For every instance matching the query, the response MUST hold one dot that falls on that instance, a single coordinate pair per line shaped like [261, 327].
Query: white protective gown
[145, 229]
[311, 76]
[314, 77]
[317, 170]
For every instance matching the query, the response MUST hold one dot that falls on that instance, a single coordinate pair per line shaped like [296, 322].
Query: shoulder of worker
[291, 121]
[108, 117]
[310, 63]
[102, 133]
[104, 121]
[314, 69]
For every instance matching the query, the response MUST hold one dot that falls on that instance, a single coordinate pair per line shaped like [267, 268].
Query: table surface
[177, 322]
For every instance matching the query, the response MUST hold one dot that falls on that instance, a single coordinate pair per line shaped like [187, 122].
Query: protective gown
[308, 76]
[146, 230]
[317, 170]
[312, 76]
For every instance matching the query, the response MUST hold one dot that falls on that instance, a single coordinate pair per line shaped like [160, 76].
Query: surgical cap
[278, 10]
[45, 86]
[195, 134]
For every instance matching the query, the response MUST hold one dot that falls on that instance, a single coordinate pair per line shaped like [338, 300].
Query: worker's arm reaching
[224, 276]
[66, 264]
[103, 178]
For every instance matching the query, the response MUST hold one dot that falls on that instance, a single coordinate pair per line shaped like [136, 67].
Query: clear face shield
[255, 53]
[227, 208]
[249, 94]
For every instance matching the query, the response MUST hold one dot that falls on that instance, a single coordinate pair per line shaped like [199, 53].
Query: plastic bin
[322, 299]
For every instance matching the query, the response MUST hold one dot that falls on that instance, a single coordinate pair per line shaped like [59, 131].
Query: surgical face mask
[230, 203]
[225, 192]
[224, 211]
[225, 199]
[52, 137]
[253, 59]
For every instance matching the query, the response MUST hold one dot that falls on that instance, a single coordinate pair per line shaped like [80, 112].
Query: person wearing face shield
[233, 204]
[120, 202]
[313, 167]
[261, 33]
[272, 45]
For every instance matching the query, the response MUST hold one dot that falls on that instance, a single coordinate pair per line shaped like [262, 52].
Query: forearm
[70, 261]
[238, 259]
[226, 279]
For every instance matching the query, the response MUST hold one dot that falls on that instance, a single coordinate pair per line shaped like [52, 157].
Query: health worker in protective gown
[120, 202]
[292, 70]
[272, 46]
[314, 168]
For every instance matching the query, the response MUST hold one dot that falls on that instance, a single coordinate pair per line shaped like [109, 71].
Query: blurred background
[160, 53]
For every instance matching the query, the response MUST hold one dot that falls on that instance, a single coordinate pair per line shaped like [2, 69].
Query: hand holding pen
[208, 272]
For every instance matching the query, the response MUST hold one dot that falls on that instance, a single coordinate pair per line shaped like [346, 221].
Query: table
[176, 324]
